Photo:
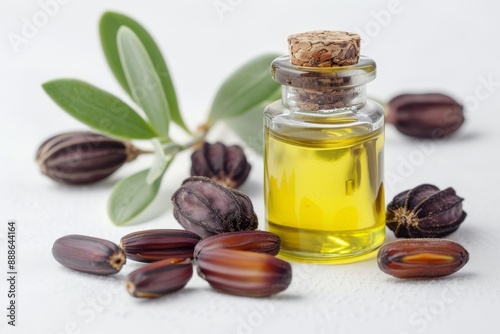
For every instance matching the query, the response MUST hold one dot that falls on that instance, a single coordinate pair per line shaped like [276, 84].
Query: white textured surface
[427, 45]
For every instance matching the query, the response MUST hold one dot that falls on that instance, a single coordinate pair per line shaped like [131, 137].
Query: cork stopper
[324, 48]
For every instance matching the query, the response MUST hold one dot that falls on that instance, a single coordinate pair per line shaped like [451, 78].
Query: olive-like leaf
[98, 109]
[249, 127]
[142, 79]
[131, 196]
[108, 29]
[244, 89]
[160, 163]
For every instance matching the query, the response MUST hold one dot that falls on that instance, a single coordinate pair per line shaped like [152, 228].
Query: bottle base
[328, 247]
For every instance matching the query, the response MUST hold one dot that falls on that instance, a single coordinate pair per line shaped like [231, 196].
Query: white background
[447, 46]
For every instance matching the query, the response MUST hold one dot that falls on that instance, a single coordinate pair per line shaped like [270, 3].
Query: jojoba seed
[83, 157]
[225, 164]
[206, 207]
[244, 273]
[159, 244]
[253, 241]
[425, 212]
[88, 254]
[159, 278]
[428, 115]
[422, 258]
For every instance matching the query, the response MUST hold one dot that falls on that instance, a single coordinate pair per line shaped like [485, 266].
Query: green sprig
[139, 67]
[109, 25]
[131, 196]
[143, 81]
[98, 109]
[244, 89]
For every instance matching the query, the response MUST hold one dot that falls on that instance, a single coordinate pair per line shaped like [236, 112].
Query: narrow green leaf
[244, 89]
[98, 109]
[160, 163]
[143, 80]
[131, 196]
[249, 126]
[108, 30]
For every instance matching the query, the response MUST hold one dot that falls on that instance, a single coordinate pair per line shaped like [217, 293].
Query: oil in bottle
[323, 162]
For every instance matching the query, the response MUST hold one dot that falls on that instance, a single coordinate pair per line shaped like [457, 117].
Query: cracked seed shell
[425, 212]
[206, 207]
[224, 164]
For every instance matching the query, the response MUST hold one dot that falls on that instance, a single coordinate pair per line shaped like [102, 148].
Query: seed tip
[130, 287]
[117, 260]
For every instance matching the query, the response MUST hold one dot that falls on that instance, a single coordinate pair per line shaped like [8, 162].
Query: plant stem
[197, 140]
[133, 152]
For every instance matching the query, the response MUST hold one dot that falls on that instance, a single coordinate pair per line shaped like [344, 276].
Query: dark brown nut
[425, 212]
[244, 273]
[159, 278]
[422, 258]
[224, 164]
[160, 244]
[88, 254]
[83, 157]
[206, 207]
[428, 115]
[252, 241]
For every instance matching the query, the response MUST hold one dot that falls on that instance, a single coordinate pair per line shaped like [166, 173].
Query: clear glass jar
[323, 163]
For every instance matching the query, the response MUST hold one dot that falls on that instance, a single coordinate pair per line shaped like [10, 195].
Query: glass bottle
[323, 163]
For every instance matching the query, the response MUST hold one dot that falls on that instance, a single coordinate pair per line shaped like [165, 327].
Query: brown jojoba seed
[422, 258]
[88, 254]
[224, 164]
[244, 273]
[206, 207]
[428, 115]
[425, 212]
[252, 241]
[83, 157]
[159, 278]
[160, 244]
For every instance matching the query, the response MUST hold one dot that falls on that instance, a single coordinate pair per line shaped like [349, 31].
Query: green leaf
[160, 163]
[244, 89]
[249, 126]
[98, 109]
[108, 30]
[131, 196]
[143, 80]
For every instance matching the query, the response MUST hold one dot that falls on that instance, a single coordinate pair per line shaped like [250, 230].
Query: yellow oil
[325, 197]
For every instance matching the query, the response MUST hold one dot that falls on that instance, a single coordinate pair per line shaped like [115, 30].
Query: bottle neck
[323, 90]
[324, 101]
